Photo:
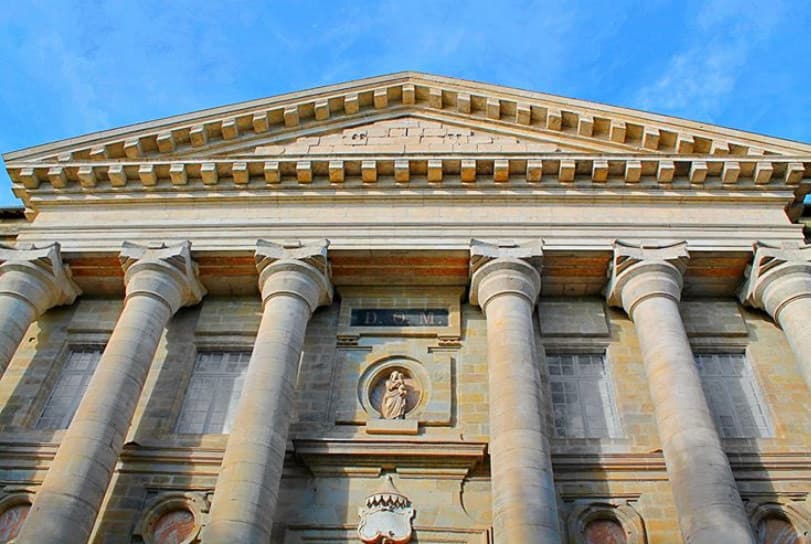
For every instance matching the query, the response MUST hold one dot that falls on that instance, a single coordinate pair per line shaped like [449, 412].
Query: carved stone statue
[393, 405]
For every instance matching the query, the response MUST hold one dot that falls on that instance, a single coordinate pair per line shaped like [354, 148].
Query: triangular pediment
[462, 109]
[409, 135]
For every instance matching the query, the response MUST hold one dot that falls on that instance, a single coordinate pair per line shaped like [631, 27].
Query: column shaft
[707, 500]
[17, 317]
[294, 282]
[795, 320]
[159, 281]
[779, 282]
[66, 505]
[248, 485]
[524, 499]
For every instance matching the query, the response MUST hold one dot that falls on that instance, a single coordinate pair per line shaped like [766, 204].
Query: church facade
[407, 308]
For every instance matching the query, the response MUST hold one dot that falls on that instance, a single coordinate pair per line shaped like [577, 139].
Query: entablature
[567, 271]
[449, 179]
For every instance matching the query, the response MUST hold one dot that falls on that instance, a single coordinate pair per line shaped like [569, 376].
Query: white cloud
[698, 80]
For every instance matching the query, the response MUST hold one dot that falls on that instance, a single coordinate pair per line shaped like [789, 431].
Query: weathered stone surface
[294, 281]
[505, 282]
[647, 282]
[32, 280]
[779, 281]
[572, 317]
[712, 318]
[158, 281]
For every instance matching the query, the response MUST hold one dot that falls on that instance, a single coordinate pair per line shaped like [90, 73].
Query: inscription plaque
[399, 317]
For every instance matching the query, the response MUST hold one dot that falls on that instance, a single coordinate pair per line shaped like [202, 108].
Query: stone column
[293, 282]
[32, 280]
[505, 282]
[158, 282]
[647, 283]
[779, 281]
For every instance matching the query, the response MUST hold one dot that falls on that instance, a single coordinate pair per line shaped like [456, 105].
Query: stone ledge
[392, 426]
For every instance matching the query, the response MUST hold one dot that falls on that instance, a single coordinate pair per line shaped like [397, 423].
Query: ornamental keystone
[42, 277]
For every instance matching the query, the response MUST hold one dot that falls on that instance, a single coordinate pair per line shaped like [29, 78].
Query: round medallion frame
[622, 513]
[795, 513]
[15, 499]
[194, 503]
[379, 370]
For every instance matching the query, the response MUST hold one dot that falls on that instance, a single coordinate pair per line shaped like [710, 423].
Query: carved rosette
[387, 516]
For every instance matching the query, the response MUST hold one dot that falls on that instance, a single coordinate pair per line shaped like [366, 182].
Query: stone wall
[335, 459]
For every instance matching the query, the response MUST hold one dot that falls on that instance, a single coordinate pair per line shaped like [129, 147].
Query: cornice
[329, 455]
[539, 112]
[567, 170]
[360, 177]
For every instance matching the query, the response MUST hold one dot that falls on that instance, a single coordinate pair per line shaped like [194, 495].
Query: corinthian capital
[162, 271]
[639, 271]
[38, 275]
[777, 275]
[295, 269]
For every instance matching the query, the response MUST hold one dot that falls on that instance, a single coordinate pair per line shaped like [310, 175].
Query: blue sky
[72, 67]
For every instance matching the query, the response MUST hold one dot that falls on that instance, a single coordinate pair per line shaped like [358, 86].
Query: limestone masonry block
[351, 104]
[259, 121]
[198, 136]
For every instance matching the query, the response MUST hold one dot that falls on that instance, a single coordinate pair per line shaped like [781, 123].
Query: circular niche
[11, 520]
[176, 526]
[605, 531]
[173, 518]
[779, 522]
[394, 388]
[775, 529]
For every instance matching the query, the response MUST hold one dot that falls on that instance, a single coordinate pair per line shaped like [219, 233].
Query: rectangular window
[733, 395]
[69, 389]
[214, 389]
[582, 399]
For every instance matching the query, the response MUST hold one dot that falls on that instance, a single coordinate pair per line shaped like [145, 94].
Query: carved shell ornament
[386, 518]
